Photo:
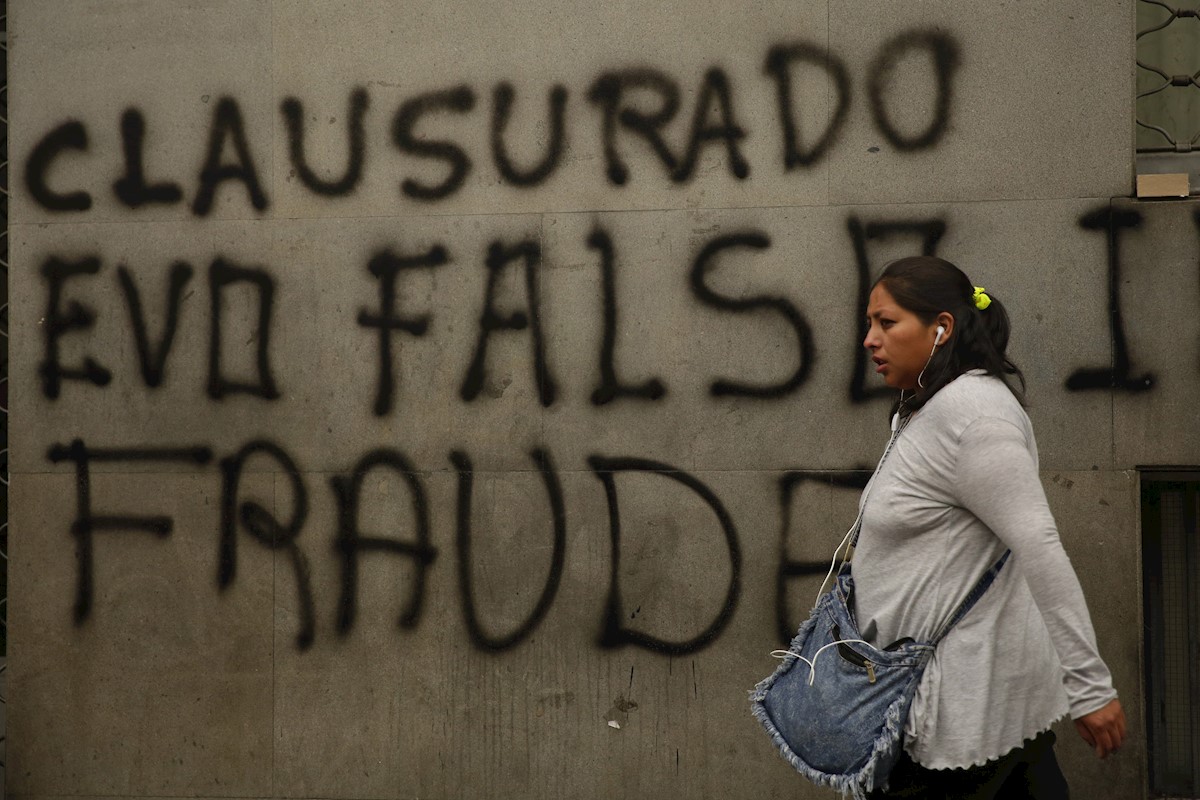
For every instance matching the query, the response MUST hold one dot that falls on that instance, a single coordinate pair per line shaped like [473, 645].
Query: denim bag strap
[976, 592]
[972, 597]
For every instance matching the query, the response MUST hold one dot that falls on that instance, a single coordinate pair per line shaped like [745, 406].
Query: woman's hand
[1103, 729]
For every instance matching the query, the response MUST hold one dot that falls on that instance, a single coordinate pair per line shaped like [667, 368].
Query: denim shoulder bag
[840, 722]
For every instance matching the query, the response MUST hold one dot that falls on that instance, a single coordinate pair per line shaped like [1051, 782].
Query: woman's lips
[880, 366]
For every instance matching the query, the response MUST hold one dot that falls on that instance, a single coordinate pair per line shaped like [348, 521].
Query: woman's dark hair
[927, 286]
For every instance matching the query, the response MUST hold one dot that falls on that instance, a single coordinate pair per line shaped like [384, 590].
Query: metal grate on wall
[1167, 103]
[1171, 597]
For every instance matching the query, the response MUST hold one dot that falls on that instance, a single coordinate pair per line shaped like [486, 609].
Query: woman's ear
[945, 320]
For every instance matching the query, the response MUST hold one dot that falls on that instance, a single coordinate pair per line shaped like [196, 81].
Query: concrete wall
[244, 566]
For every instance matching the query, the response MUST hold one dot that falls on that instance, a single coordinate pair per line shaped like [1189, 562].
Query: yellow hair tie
[982, 301]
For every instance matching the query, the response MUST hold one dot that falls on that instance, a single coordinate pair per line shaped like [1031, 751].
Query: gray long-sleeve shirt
[960, 485]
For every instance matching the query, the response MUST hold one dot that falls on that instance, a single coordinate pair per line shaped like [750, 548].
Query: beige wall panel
[1097, 515]
[165, 687]
[1039, 101]
[428, 710]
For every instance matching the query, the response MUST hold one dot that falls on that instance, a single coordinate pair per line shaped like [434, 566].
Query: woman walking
[958, 489]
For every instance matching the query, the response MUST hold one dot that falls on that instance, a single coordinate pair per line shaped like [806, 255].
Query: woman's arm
[996, 479]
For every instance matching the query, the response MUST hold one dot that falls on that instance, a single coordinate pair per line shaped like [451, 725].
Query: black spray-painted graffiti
[293, 114]
[529, 253]
[610, 387]
[639, 118]
[86, 523]
[615, 632]
[558, 513]
[59, 322]
[64, 319]
[388, 268]
[620, 98]
[755, 241]
[79, 318]
[349, 542]
[1110, 222]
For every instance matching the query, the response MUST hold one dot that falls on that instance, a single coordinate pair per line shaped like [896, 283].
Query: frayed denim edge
[854, 785]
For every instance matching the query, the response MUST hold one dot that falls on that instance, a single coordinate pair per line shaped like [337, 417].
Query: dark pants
[1030, 771]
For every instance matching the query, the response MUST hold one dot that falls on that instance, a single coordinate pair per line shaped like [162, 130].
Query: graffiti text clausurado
[628, 109]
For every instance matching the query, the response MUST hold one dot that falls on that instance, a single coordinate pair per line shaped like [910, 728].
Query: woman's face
[899, 342]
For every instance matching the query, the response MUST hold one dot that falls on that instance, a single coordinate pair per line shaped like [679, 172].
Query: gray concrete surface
[179, 684]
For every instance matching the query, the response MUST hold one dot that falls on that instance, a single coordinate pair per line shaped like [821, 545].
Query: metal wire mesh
[1171, 563]
[1177, 716]
[1168, 86]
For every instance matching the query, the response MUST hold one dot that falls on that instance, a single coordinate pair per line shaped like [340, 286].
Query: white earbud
[941, 329]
